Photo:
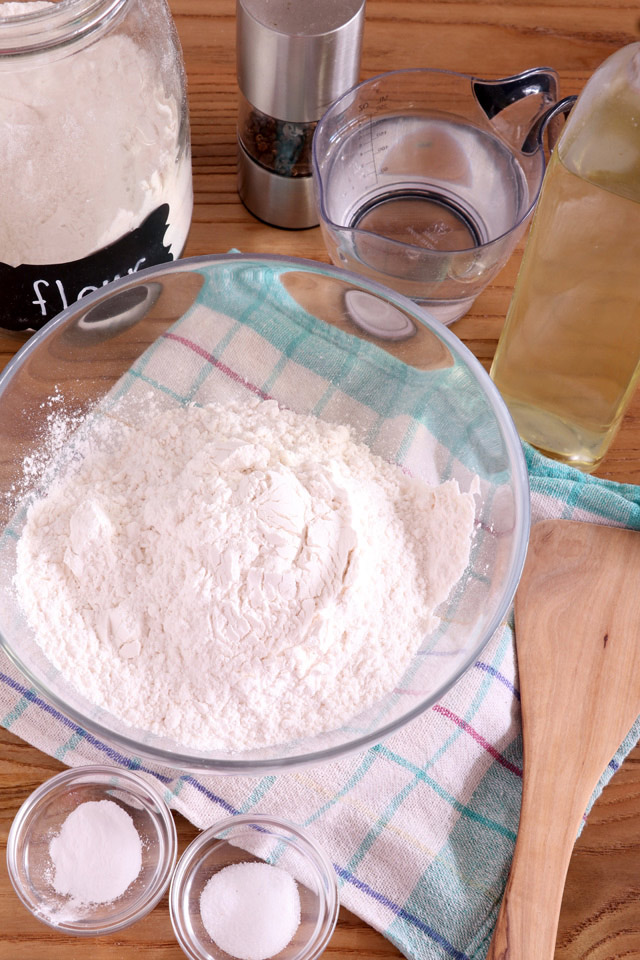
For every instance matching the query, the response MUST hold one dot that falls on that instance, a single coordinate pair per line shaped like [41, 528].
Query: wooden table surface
[601, 910]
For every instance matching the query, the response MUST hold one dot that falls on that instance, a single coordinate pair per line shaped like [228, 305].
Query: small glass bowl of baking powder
[92, 850]
[224, 902]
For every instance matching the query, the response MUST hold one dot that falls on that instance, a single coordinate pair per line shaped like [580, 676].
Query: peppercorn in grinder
[293, 60]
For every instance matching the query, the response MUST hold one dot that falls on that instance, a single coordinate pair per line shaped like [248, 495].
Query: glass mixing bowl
[317, 339]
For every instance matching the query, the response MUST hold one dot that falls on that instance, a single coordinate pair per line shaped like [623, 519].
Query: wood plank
[600, 916]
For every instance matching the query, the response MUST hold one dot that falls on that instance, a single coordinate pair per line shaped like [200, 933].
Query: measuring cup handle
[494, 96]
[534, 139]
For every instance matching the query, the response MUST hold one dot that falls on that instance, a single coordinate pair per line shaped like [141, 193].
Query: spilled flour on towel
[236, 575]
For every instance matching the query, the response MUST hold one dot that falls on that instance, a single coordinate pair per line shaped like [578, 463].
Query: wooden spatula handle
[577, 619]
[528, 919]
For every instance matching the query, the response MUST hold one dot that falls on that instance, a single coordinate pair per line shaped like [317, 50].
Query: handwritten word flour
[237, 575]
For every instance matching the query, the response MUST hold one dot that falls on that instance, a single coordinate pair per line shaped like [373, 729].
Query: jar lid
[295, 59]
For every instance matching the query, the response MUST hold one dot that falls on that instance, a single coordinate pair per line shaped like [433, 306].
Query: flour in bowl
[237, 575]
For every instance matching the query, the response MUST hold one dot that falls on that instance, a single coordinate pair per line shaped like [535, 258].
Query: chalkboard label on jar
[32, 294]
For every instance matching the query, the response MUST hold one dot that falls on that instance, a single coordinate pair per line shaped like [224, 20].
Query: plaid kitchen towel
[420, 828]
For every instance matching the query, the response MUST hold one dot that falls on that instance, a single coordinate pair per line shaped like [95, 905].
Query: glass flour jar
[95, 154]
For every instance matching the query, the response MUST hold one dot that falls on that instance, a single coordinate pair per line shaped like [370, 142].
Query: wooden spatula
[577, 618]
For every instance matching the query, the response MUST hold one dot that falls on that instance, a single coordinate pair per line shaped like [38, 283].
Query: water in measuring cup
[423, 196]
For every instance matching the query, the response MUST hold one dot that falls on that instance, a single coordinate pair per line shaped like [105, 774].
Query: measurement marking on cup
[373, 153]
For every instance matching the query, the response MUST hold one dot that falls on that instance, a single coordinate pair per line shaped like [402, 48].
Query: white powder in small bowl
[97, 855]
[251, 910]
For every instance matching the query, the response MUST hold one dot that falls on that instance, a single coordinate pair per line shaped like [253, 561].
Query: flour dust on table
[239, 575]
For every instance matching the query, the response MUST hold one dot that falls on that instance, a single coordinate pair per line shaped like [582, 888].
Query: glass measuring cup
[425, 179]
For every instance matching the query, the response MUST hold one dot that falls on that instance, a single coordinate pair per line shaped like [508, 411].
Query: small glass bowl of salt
[253, 887]
[92, 850]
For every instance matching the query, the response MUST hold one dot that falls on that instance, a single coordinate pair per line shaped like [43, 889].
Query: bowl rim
[197, 761]
[92, 774]
[305, 844]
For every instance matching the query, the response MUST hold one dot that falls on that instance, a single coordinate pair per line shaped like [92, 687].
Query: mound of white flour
[236, 576]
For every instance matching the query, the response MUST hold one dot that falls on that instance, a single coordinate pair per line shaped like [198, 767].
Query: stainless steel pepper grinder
[294, 58]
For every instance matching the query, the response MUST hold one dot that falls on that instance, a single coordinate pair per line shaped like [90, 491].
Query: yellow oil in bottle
[568, 360]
